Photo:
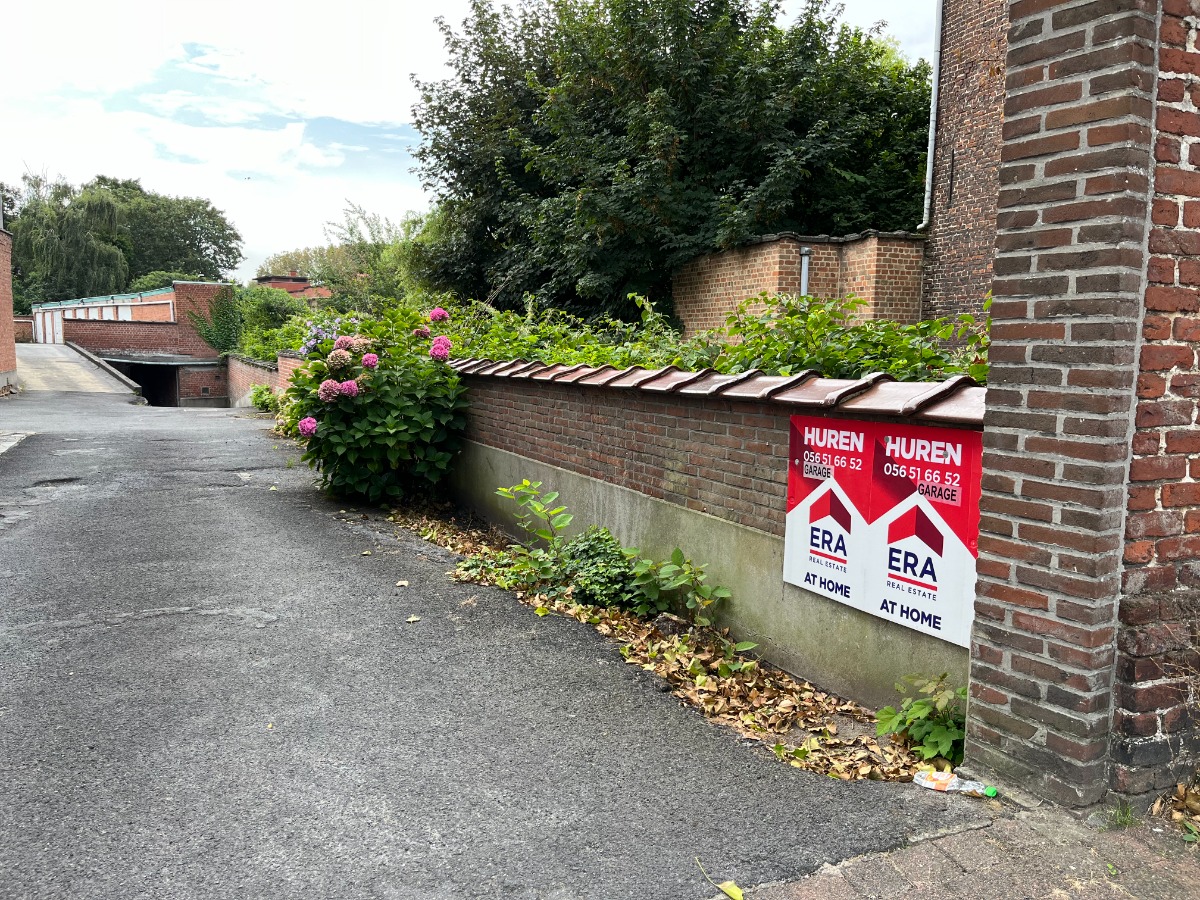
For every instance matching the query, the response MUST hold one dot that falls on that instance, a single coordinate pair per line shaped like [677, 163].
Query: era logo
[823, 539]
[905, 562]
[915, 523]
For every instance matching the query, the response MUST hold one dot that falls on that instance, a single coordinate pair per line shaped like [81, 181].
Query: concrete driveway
[57, 367]
[208, 691]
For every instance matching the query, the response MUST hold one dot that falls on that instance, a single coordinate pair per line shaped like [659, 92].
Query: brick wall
[287, 363]
[719, 457]
[23, 329]
[1157, 657]
[244, 374]
[202, 383]
[958, 256]
[137, 337]
[1068, 281]
[8, 349]
[884, 270]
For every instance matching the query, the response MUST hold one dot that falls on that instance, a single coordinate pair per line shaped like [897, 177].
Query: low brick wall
[244, 374]
[23, 329]
[137, 337]
[662, 468]
[713, 456]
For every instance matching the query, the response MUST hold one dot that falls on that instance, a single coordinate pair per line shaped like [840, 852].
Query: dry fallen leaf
[412, 619]
[401, 584]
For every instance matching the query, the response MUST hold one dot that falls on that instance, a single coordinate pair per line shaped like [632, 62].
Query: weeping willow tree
[69, 243]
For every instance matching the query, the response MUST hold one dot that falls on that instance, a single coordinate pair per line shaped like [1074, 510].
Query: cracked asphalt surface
[207, 691]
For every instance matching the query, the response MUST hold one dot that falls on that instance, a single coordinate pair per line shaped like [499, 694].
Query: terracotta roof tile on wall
[956, 401]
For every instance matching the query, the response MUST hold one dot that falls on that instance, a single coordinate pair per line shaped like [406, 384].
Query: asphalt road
[206, 691]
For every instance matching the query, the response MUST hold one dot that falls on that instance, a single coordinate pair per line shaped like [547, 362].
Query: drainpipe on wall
[933, 114]
[805, 256]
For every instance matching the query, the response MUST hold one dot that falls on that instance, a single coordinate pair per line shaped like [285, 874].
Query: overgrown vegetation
[592, 567]
[779, 335]
[932, 718]
[264, 398]
[582, 151]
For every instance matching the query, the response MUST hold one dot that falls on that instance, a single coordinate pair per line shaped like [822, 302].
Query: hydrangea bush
[381, 413]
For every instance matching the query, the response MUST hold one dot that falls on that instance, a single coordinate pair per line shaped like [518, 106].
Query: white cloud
[234, 62]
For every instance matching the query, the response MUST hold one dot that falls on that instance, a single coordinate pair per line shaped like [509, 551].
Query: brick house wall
[882, 269]
[8, 348]
[962, 231]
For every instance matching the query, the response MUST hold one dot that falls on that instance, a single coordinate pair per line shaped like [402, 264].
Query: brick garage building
[149, 337]
[882, 269]
[8, 348]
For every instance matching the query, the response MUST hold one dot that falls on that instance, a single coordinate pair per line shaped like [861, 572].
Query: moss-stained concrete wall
[836, 647]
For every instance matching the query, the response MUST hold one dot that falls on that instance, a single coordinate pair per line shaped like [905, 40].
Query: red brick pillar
[1154, 740]
[1070, 284]
[8, 347]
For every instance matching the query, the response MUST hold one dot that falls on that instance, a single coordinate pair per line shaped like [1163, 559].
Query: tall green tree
[173, 234]
[583, 149]
[68, 243]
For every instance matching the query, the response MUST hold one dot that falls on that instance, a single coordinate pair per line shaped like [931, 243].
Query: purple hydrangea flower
[440, 349]
[307, 426]
[348, 388]
[437, 314]
[421, 332]
[329, 391]
[370, 360]
[345, 342]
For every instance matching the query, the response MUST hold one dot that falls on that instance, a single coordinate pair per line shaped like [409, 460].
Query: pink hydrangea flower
[437, 314]
[370, 360]
[307, 426]
[421, 332]
[339, 359]
[348, 388]
[329, 391]
[440, 349]
[345, 342]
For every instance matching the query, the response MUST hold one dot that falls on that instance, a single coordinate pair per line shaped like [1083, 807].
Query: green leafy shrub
[784, 334]
[380, 416]
[264, 397]
[593, 565]
[675, 584]
[932, 717]
[600, 570]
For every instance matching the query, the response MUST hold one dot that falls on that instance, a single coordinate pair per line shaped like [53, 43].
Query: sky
[278, 111]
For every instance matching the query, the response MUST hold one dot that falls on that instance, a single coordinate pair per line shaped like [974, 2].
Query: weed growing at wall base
[932, 720]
